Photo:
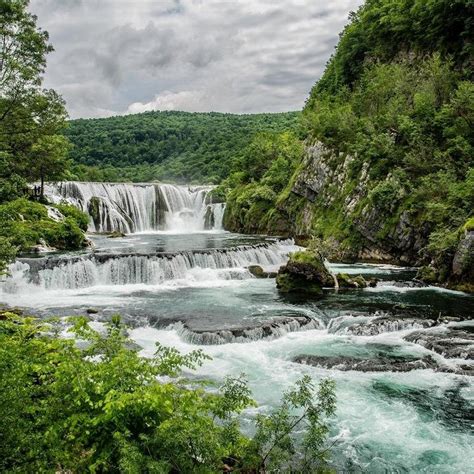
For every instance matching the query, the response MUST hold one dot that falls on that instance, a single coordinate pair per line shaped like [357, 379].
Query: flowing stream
[401, 355]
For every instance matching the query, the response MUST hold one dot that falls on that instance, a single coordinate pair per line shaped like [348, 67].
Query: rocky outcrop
[462, 274]
[265, 329]
[380, 364]
[304, 273]
[327, 180]
[449, 342]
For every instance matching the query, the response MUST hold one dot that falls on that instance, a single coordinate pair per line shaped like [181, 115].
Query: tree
[31, 118]
[22, 57]
[49, 159]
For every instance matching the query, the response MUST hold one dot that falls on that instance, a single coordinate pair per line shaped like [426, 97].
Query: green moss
[287, 283]
[427, 274]
[469, 225]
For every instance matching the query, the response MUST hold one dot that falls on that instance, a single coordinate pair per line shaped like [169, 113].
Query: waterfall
[82, 271]
[132, 208]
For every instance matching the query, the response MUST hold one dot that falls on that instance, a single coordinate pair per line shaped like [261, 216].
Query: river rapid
[401, 355]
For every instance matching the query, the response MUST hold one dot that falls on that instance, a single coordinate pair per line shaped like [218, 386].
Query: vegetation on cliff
[393, 115]
[173, 146]
[98, 406]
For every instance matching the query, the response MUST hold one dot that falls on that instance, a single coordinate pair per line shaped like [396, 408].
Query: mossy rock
[93, 209]
[469, 225]
[427, 274]
[345, 281]
[116, 234]
[304, 273]
[257, 271]
[288, 283]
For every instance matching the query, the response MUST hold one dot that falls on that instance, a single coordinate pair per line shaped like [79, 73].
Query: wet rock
[410, 284]
[304, 273]
[268, 329]
[92, 311]
[427, 274]
[209, 219]
[346, 281]
[258, 272]
[449, 342]
[462, 275]
[43, 247]
[388, 324]
[116, 234]
[381, 364]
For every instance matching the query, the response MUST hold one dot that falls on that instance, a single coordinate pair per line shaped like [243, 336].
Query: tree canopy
[171, 146]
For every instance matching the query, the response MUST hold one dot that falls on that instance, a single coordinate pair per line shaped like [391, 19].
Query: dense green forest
[393, 115]
[181, 147]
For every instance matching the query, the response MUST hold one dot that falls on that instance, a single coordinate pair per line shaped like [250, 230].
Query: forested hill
[175, 146]
[387, 171]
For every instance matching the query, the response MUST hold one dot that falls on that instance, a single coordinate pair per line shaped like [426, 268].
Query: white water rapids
[75, 272]
[180, 280]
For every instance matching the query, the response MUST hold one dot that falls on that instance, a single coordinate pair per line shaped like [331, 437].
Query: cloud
[192, 101]
[116, 57]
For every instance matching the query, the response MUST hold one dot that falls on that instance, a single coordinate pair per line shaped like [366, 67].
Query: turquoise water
[416, 421]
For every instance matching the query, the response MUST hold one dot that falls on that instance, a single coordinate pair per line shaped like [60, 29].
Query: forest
[179, 147]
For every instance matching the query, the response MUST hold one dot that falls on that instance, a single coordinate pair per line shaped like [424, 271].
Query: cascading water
[133, 208]
[114, 269]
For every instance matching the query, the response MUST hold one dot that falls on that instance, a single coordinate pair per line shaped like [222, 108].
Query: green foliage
[275, 445]
[253, 193]
[31, 118]
[7, 254]
[68, 210]
[98, 406]
[32, 146]
[382, 30]
[410, 119]
[26, 223]
[177, 146]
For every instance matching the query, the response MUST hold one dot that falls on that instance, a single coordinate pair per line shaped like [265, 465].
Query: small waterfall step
[271, 328]
[94, 269]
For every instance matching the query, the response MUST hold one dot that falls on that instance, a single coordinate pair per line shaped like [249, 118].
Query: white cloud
[114, 57]
[192, 101]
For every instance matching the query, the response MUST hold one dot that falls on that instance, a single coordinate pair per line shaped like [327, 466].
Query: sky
[115, 57]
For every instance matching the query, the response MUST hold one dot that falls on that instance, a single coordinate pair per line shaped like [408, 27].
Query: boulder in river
[115, 234]
[346, 281]
[304, 273]
[258, 272]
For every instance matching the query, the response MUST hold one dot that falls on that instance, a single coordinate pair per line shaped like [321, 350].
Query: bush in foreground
[98, 406]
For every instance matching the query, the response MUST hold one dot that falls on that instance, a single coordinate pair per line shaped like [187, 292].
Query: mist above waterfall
[131, 208]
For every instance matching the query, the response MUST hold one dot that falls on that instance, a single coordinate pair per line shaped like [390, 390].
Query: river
[401, 355]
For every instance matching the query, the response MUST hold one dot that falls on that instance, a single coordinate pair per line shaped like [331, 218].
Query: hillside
[387, 170]
[174, 146]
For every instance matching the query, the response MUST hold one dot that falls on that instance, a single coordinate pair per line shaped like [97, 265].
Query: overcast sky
[126, 56]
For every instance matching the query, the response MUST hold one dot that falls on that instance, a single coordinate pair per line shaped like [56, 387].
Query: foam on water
[375, 430]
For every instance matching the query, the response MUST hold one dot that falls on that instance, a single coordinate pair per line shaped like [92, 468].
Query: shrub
[104, 408]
